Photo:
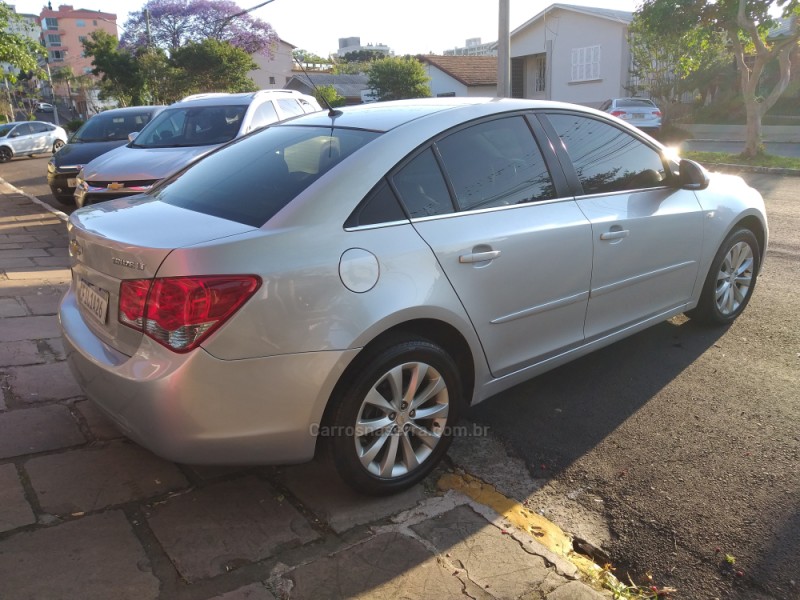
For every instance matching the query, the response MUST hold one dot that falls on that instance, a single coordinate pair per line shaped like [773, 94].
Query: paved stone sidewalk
[86, 514]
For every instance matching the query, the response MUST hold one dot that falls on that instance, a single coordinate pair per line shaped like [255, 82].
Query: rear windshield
[251, 180]
[628, 102]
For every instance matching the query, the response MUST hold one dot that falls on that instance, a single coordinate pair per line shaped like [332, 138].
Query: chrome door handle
[479, 256]
[615, 235]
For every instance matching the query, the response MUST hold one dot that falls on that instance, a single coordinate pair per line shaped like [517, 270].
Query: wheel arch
[755, 225]
[433, 330]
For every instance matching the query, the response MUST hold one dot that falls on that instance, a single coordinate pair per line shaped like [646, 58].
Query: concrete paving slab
[222, 527]
[390, 565]
[11, 307]
[14, 508]
[340, 506]
[93, 558]
[493, 560]
[49, 274]
[23, 352]
[32, 430]
[95, 478]
[100, 426]
[44, 303]
[29, 328]
[43, 383]
[254, 591]
[575, 590]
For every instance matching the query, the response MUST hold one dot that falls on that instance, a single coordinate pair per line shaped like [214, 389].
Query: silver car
[26, 138]
[180, 134]
[358, 278]
[641, 112]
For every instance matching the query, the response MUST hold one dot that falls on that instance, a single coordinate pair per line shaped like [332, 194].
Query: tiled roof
[469, 70]
[349, 86]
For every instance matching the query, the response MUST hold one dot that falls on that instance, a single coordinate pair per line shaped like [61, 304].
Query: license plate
[94, 300]
[72, 182]
[638, 115]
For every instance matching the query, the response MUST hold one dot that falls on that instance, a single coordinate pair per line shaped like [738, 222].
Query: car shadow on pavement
[556, 418]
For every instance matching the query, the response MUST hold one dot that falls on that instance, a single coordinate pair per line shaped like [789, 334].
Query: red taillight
[179, 312]
[657, 113]
[618, 113]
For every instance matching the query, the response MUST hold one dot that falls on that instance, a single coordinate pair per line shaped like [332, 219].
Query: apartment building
[64, 29]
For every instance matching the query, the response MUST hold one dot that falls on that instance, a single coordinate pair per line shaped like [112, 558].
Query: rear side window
[496, 163]
[290, 106]
[608, 159]
[422, 188]
[250, 180]
[264, 115]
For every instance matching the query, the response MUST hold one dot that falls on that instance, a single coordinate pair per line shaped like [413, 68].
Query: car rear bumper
[194, 408]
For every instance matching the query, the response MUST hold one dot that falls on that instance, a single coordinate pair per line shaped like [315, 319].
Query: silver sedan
[358, 278]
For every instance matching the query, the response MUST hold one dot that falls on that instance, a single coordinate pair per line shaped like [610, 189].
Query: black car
[103, 132]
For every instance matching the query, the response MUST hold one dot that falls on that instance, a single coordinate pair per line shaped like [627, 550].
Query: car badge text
[115, 186]
[124, 262]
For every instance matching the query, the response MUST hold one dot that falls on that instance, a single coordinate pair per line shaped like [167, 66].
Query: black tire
[66, 200]
[57, 145]
[406, 435]
[5, 155]
[730, 281]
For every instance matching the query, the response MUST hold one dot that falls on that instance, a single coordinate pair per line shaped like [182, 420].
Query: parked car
[26, 138]
[358, 278]
[182, 133]
[101, 133]
[44, 107]
[640, 112]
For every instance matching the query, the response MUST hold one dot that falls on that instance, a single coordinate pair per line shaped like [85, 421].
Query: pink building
[65, 28]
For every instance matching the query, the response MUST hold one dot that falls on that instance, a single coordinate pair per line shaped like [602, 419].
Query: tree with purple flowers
[175, 23]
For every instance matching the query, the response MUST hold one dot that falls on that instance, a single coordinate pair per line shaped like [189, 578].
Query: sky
[407, 27]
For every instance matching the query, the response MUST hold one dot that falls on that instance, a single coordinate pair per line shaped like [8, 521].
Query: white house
[274, 72]
[572, 53]
[461, 75]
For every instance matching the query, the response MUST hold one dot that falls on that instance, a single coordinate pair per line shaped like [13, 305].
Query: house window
[81, 38]
[80, 23]
[272, 80]
[53, 39]
[94, 22]
[87, 70]
[57, 55]
[586, 63]
[50, 23]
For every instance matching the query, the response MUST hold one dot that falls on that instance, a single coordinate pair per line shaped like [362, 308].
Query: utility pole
[52, 92]
[147, 28]
[503, 52]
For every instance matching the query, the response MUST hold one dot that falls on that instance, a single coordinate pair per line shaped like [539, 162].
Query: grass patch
[761, 160]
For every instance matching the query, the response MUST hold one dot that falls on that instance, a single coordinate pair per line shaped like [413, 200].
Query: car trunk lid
[129, 239]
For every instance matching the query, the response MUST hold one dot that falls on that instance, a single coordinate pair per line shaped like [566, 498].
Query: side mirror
[132, 135]
[692, 176]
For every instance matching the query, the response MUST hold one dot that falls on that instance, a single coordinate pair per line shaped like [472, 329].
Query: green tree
[17, 49]
[395, 78]
[665, 71]
[363, 56]
[747, 25]
[327, 95]
[214, 66]
[118, 70]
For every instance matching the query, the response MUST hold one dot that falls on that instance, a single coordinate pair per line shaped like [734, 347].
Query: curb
[61, 215]
[753, 169]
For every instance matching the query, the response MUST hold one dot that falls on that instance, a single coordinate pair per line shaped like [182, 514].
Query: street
[675, 451]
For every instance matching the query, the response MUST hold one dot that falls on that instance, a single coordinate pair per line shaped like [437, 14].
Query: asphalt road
[675, 447]
[683, 442]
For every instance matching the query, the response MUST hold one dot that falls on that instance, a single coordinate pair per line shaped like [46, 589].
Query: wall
[558, 33]
[279, 67]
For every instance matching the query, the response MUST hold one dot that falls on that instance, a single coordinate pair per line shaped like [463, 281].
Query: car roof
[21, 122]
[242, 98]
[384, 116]
[131, 109]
